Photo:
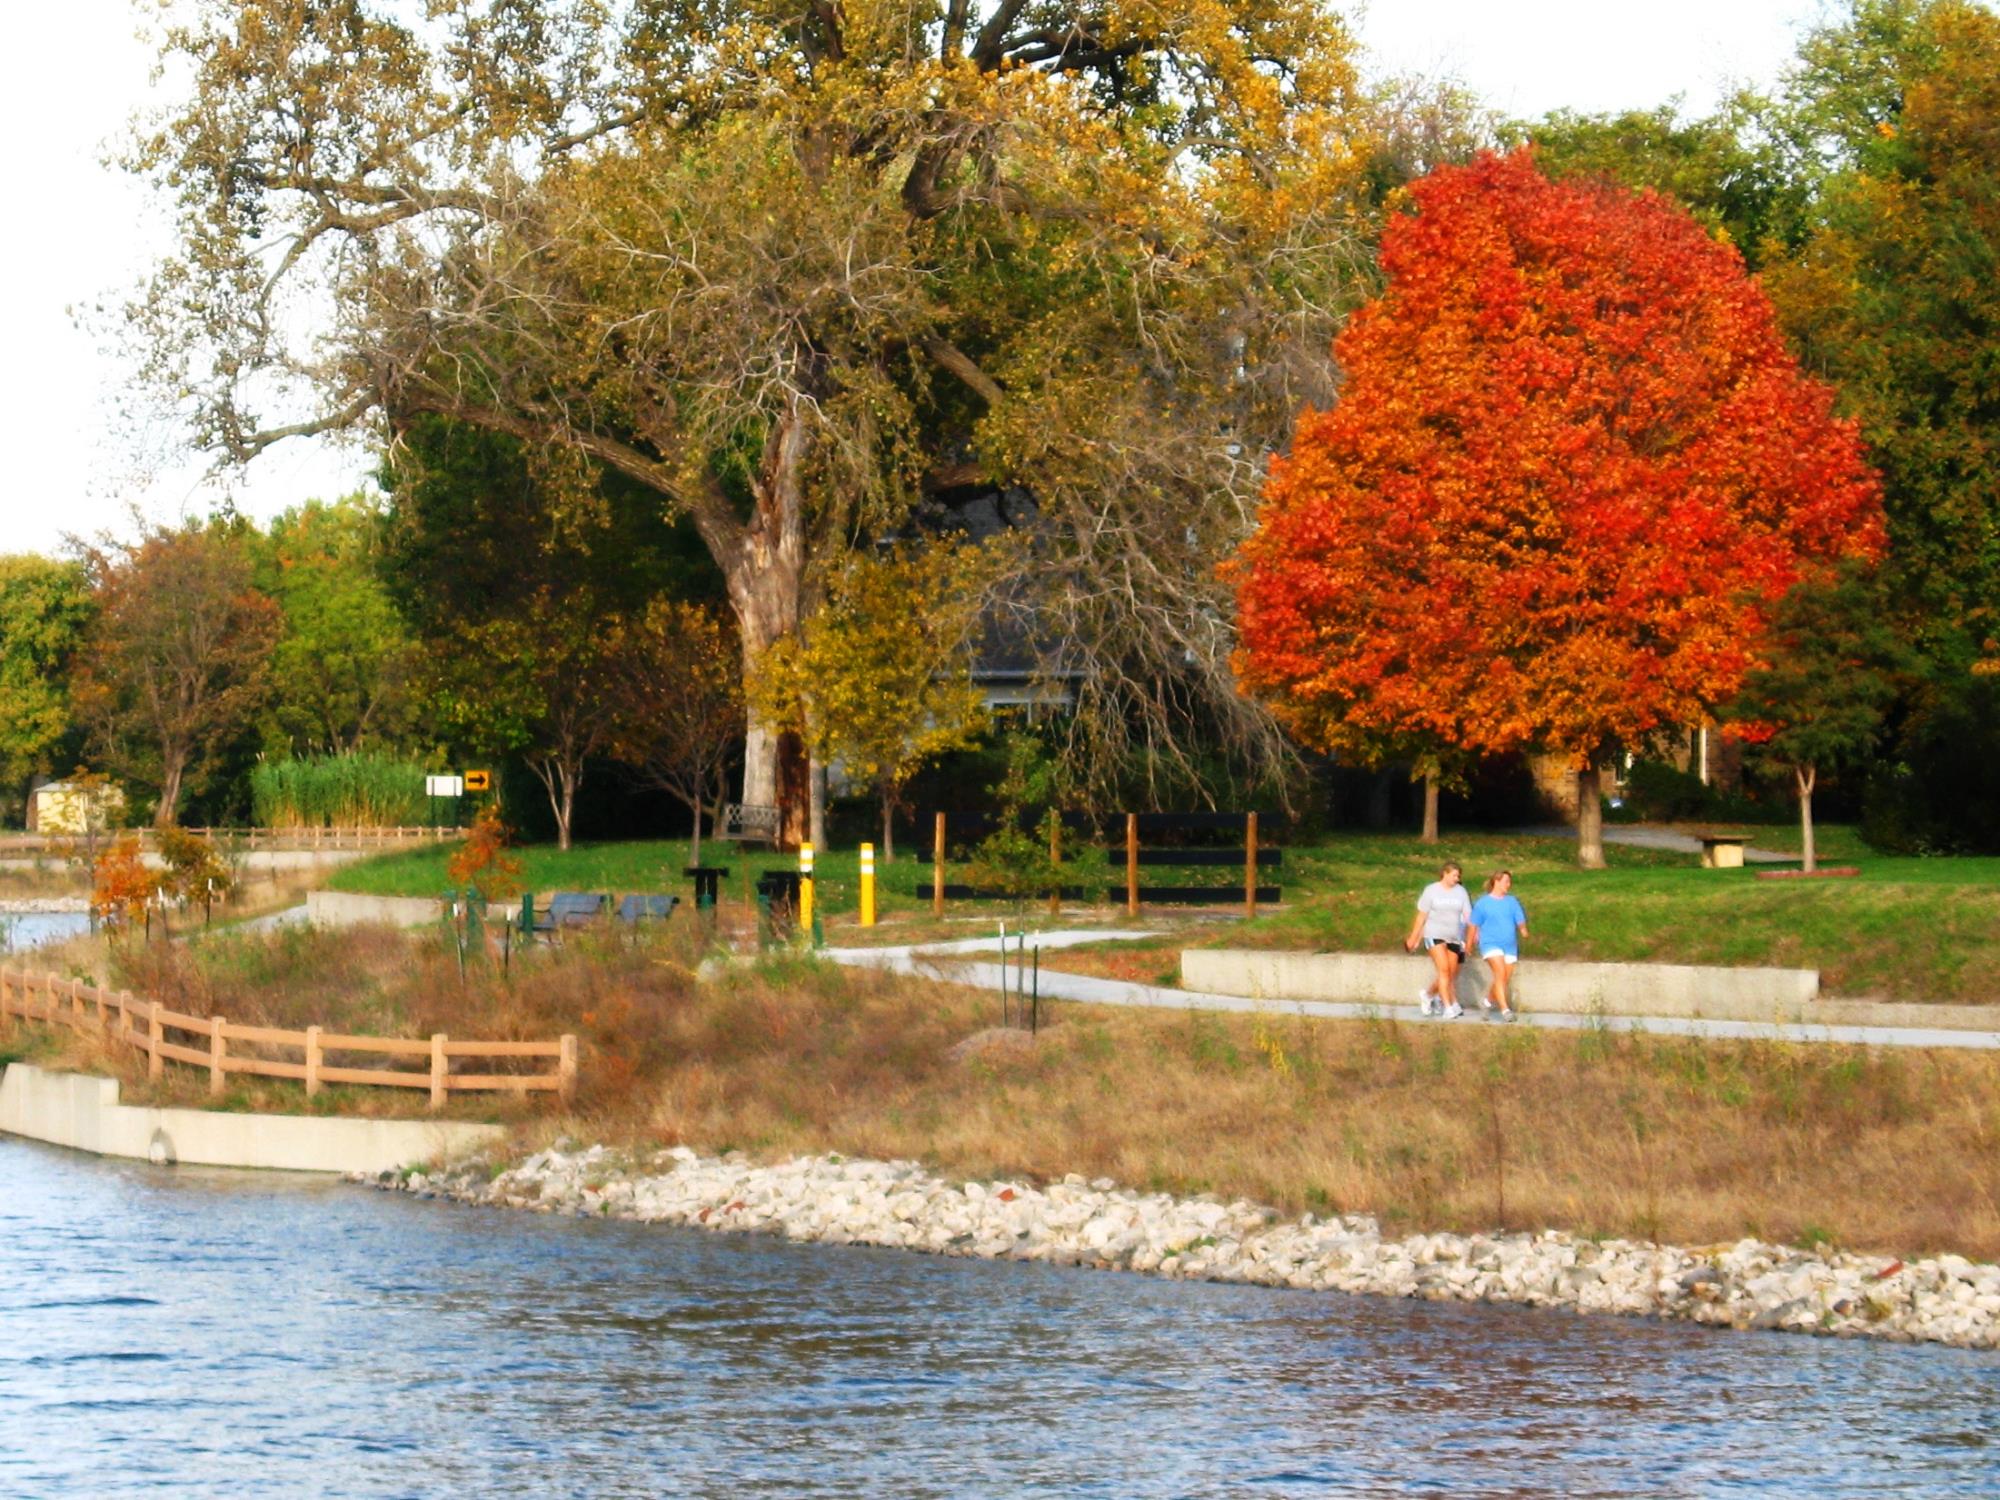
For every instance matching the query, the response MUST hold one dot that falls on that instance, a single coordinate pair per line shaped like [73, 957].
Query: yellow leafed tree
[880, 679]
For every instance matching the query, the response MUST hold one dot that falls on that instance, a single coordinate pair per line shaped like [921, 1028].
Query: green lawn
[1904, 928]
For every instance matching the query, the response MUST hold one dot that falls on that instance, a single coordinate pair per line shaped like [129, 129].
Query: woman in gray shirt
[1443, 911]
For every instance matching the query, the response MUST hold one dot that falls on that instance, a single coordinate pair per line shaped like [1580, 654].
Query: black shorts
[1457, 949]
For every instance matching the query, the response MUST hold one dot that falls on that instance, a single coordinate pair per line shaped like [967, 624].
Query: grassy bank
[1468, 1128]
[1906, 929]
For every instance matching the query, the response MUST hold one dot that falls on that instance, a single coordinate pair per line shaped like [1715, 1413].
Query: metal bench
[748, 822]
[575, 908]
[639, 908]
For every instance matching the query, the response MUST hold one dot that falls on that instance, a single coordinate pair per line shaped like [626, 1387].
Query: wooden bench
[1723, 851]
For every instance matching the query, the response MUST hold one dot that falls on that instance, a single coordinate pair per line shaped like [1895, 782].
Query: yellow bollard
[867, 885]
[806, 889]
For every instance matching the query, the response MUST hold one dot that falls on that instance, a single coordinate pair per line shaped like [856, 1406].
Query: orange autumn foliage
[1571, 469]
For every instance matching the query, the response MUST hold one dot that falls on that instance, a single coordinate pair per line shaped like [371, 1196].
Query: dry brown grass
[1429, 1126]
[1473, 1128]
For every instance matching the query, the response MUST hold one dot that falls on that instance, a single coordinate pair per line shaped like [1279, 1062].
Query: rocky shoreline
[835, 1200]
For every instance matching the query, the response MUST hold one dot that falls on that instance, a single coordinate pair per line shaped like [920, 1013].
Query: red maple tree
[1571, 469]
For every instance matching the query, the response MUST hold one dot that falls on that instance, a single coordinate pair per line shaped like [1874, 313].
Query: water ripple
[250, 1334]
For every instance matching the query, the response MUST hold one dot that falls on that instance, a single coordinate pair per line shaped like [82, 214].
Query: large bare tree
[791, 264]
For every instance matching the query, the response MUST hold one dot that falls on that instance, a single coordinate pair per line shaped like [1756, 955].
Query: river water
[181, 1331]
[21, 930]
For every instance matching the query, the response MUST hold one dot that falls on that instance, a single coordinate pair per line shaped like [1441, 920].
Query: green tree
[791, 269]
[1819, 699]
[44, 610]
[679, 685]
[341, 669]
[176, 662]
[518, 591]
[1896, 297]
[539, 681]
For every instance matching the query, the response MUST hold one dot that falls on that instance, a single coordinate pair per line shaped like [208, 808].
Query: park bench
[1722, 851]
[575, 908]
[635, 909]
[748, 822]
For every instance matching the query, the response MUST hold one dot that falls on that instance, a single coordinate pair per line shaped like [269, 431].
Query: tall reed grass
[359, 790]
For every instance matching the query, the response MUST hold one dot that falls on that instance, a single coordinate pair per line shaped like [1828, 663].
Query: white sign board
[444, 786]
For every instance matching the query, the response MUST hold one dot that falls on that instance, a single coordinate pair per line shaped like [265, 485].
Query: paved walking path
[952, 962]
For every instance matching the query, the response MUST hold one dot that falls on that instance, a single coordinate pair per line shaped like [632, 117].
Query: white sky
[79, 232]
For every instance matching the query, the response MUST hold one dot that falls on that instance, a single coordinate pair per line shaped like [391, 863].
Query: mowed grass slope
[1906, 929]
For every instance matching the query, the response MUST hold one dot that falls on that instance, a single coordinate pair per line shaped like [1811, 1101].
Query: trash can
[778, 900]
[707, 884]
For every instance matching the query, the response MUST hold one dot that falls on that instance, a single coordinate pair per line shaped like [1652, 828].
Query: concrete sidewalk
[951, 963]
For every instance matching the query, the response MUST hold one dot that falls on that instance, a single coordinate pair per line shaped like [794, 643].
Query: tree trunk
[1430, 833]
[816, 772]
[560, 778]
[173, 769]
[763, 565]
[888, 827]
[694, 844]
[1589, 818]
[1806, 777]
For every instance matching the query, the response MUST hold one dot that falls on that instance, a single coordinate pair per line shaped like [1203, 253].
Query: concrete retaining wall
[73, 1109]
[1719, 994]
[350, 909]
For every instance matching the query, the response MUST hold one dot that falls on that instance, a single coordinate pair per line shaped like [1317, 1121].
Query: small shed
[62, 807]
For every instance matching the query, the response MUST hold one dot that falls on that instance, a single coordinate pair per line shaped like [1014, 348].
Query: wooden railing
[165, 1036]
[309, 836]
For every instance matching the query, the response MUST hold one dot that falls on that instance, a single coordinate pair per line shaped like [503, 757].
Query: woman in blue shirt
[1498, 924]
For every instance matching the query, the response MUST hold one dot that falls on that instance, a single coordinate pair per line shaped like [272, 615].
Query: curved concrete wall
[1393, 979]
[74, 1109]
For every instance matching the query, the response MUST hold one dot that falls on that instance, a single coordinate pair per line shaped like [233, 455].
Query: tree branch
[950, 357]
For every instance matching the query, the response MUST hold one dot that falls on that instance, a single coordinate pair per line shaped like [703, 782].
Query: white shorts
[1490, 954]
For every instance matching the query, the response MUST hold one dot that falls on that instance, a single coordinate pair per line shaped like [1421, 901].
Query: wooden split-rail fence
[206, 1041]
[306, 836]
[1246, 858]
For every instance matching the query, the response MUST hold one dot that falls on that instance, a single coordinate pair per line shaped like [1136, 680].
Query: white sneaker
[1453, 1011]
[1424, 1002]
[1486, 1003]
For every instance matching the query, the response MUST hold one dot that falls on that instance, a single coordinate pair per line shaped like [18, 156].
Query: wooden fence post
[437, 1070]
[1250, 865]
[312, 1061]
[218, 1055]
[566, 1068]
[1131, 864]
[155, 1034]
[937, 870]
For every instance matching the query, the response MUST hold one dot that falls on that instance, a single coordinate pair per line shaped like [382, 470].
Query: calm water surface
[194, 1332]
[29, 929]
